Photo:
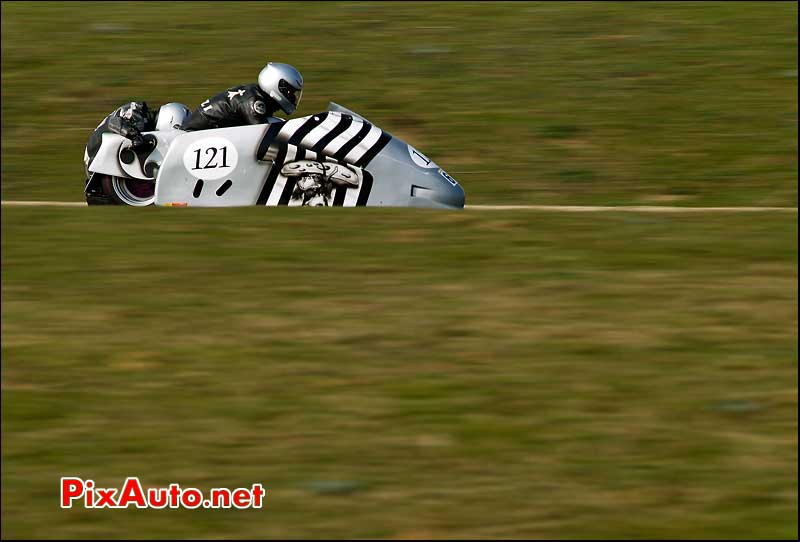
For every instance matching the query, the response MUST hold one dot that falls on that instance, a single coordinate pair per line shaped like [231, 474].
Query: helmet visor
[291, 93]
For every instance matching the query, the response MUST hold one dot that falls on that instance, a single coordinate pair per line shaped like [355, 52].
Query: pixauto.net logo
[88, 495]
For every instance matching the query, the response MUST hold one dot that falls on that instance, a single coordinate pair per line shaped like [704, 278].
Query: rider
[279, 86]
[133, 118]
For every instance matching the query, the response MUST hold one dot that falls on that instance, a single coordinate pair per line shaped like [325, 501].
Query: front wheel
[131, 192]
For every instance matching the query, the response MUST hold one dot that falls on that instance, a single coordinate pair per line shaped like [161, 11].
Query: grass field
[549, 103]
[407, 374]
[434, 374]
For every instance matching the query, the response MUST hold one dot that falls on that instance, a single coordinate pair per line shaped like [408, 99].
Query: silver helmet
[171, 116]
[283, 83]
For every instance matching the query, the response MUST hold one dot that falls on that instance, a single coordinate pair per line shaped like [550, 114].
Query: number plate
[210, 158]
[444, 174]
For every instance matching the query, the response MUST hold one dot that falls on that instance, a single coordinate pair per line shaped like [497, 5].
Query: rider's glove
[137, 142]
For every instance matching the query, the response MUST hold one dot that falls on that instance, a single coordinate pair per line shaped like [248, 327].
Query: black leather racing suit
[237, 106]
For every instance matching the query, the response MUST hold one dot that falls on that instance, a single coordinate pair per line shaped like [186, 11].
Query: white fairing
[106, 160]
[164, 139]
[177, 181]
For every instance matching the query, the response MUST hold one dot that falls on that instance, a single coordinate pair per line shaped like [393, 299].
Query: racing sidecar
[334, 158]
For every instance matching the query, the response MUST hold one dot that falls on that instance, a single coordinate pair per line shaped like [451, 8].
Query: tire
[98, 200]
[93, 190]
[130, 192]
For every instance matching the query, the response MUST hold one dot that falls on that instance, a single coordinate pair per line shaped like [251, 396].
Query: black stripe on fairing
[363, 196]
[343, 125]
[350, 145]
[268, 139]
[224, 188]
[338, 198]
[198, 188]
[309, 125]
[372, 152]
[272, 176]
[286, 195]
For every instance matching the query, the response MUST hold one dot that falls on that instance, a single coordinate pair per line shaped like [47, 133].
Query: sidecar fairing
[245, 165]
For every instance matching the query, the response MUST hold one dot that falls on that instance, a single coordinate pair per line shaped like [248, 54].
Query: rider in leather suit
[279, 86]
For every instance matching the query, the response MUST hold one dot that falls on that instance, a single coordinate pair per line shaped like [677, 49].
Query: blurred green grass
[432, 375]
[399, 373]
[558, 103]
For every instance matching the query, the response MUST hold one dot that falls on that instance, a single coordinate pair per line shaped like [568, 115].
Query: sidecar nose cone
[443, 192]
[452, 195]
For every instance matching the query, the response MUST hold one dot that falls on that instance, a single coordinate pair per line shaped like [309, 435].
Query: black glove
[138, 142]
[121, 126]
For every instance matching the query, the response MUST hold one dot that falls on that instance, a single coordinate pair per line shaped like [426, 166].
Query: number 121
[213, 157]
